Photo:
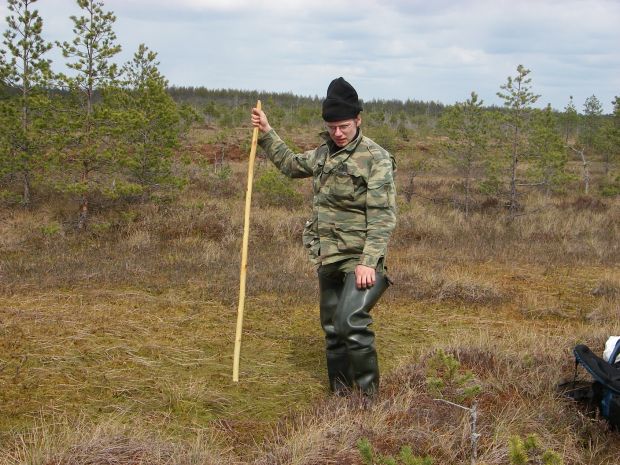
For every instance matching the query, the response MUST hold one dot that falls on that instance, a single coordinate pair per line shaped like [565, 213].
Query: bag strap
[614, 353]
[600, 370]
[575, 374]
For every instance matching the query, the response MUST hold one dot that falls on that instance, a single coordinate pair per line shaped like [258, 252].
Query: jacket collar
[338, 155]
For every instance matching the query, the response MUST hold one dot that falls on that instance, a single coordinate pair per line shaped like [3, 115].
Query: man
[354, 213]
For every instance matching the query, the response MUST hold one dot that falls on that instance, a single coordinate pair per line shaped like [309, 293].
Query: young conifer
[468, 128]
[518, 100]
[549, 158]
[87, 148]
[25, 75]
[146, 124]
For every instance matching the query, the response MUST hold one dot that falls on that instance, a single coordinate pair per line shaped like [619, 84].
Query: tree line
[112, 129]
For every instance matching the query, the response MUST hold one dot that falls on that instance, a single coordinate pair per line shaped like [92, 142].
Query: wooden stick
[244, 253]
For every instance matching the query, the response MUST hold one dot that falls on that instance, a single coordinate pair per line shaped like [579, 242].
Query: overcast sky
[437, 50]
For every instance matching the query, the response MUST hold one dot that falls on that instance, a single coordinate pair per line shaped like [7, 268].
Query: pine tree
[612, 139]
[590, 131]
[570, 119]
[25, 77]
[4, 72]
[142, 68]
[548, 152]
[518, 99]
[146, 124]
[608, 144]
[468, 128]
[4, 134]
[592, 111]
[87, 148]
[616, 128]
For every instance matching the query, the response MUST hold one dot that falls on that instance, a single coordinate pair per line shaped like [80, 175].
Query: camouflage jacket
[354, 206]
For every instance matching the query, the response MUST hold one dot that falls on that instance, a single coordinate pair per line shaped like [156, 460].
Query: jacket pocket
[381, 196]
[311, 240]
[342, 186]
[350, 238]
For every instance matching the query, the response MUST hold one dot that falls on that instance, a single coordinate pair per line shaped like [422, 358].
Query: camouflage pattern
[354, 207]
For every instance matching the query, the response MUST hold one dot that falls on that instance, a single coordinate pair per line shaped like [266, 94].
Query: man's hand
[259, 120]
[365, 276]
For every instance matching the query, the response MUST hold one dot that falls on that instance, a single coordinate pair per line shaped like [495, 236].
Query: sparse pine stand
[244, 253]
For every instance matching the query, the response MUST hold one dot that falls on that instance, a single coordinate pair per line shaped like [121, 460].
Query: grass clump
[405, 456]
[528, 451]
[445, 378]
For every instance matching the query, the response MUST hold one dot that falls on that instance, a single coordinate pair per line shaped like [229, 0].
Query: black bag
[604, 392]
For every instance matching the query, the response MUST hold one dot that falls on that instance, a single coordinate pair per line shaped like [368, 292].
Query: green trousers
[345, 318]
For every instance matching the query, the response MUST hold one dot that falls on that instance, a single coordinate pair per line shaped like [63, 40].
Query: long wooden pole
[244, 253]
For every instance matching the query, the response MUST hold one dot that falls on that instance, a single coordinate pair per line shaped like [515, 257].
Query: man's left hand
[365, 276]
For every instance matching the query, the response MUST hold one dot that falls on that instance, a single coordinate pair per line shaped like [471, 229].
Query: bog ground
[117, 343]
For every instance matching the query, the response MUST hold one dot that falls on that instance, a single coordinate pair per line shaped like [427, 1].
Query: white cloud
[253, 7]
[440, 50]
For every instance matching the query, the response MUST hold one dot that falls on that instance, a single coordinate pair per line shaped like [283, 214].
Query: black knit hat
[341, 102]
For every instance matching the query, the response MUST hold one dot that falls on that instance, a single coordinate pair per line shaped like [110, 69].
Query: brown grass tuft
[607, 288]
[585, 203]
[63, 442]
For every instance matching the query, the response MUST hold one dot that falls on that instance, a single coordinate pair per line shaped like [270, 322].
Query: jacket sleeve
[289, 163]
[380, 208]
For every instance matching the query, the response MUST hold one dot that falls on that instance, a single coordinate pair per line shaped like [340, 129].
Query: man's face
[343, 132]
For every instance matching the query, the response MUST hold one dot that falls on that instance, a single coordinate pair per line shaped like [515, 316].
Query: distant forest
[201, 96]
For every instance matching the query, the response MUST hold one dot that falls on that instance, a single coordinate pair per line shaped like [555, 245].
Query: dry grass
[148, 373]
[60, 441]
[116, 345]
[517, 398]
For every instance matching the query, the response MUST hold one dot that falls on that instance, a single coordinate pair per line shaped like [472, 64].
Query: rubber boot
[339, 371]
[365, 370]
[352, 323]
[338, 365]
